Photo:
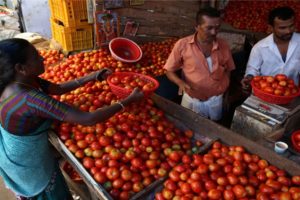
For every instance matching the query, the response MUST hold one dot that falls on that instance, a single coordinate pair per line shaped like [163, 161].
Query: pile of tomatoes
[279, 85]
[253, 16]
[228, 172]
[138, 146]
[51, 56]
[130, 150]
[154, 57]
[131, 81]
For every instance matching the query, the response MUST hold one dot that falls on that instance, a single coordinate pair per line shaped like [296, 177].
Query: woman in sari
[26, 114]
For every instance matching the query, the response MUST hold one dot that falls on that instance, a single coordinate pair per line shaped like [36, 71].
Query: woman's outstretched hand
[136, 95]
[102, 74]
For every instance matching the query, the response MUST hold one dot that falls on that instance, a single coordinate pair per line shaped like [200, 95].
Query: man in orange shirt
[206, 62]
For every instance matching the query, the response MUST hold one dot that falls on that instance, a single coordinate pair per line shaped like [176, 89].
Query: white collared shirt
[265, 58]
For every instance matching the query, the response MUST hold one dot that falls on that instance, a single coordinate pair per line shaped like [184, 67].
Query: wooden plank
[211, 129]
[161, 18]
[164, 4]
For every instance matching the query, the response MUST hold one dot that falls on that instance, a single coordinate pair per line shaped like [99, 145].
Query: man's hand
[183, 87]
[246, 83]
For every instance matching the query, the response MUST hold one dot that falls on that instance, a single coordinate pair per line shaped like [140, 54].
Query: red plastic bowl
[272, 98]
[294, 141]
[124, 92]
[125, 50]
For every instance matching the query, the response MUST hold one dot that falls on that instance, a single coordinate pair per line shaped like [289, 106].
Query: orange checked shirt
[186, 55]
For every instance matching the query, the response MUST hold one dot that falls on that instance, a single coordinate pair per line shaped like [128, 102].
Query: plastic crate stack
[69, 24]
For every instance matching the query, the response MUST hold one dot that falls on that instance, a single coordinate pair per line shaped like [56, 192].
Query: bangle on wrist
[97, 76]
[121, 104]
[77, 82]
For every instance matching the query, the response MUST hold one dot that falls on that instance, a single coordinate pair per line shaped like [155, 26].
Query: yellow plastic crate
[71, 13]
[72, 39]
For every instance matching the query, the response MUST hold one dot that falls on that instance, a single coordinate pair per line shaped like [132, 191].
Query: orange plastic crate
[71, 39]
[71, 13]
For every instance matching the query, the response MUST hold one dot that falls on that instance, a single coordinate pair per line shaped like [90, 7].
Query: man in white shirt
[278, 53]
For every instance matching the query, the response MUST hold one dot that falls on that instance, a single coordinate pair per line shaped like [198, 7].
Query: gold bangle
[123, 107]
[77, 82]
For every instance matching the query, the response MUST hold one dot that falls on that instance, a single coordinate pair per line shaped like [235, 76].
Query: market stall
[151, 140]
[205, 130]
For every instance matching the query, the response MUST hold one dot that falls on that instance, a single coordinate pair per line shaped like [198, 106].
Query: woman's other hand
[102, 74]
[136, 95]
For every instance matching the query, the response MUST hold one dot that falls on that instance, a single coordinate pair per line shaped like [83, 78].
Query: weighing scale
[275, 113]
[256, 118]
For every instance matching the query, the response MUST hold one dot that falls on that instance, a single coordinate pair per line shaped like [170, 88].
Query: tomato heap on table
[51, 56]
[279, 85]
[228, 172]
[134, 148]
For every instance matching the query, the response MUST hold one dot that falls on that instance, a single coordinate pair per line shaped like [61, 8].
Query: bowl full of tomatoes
[123, 83]
[278, 89]
[295, 138]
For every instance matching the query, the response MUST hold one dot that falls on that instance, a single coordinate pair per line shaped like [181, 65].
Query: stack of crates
[69, 24]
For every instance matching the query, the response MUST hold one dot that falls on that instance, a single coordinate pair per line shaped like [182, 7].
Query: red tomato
[104, 141]
[296, 180]
[263, 84]
[174, 176]
[196, 186]
[262, 164]
[257, 78]
[88, 162]
[282, 83]
[124, 195]
[228, 194]
[214, 194]
[239, 191]
[100, 177]
[112, 173]
[170, 185]
[186, 188]
[175, 156]
[297, 137]
[269, 89]
[281, 77]
[137, 186]
[270, 79]
[126, 175]
[82, 144]
[118, 183]
[137, 162]
[115, 80]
